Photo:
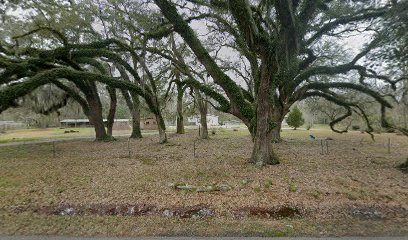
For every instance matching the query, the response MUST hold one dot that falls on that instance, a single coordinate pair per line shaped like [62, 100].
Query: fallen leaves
[87, 173]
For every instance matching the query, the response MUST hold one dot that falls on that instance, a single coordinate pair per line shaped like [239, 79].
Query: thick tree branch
[239, 106]
[364, 15]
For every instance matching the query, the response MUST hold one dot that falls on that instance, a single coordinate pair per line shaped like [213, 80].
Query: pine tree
[295, 118]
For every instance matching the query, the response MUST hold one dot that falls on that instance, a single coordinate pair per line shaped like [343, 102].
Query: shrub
[295, 118]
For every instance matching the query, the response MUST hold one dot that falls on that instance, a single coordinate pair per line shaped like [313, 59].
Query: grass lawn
[90, 187]
[27, 135]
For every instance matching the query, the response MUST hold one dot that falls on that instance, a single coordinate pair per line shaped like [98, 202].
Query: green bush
[295, 118]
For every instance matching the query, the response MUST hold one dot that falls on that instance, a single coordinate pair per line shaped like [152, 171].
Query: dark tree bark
[133, 103]
[162, 128]
[95, 114]
[276, 133]
[180, 118]
[203, 108]
[112, 111]
[262, 153]
[404, 102]
[135, 111]
[277, 118]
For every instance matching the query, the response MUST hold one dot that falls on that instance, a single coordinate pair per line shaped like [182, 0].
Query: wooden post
[327, 146]
[321, 144]
[389, 145]
[128, 146]
[199, 130]
[54, 152]
[194, 144]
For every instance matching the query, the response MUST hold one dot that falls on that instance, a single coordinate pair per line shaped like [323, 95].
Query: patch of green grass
[24, 151]
[147, 161]
[268, 183]
[316, 194]
[259, 229]
[292, 186]
[27, 135]
[11, 140]
[245, 182]
[8, 183]
[352, 196]
[287, 232]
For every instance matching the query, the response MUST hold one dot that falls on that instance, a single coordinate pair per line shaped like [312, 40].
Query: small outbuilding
[75, 123]
[232, 123]
[121, 124]
[118, 124]
[212, 120]
[149, 123]
[6, 125]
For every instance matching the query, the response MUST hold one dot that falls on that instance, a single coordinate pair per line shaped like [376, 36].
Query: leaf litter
[88, 178]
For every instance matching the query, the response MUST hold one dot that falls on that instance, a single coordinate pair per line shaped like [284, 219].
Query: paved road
[190, 238]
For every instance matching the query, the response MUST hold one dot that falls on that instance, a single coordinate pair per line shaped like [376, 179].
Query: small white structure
[5, 125]
[117, 124]
[232, 124]
[212, 120]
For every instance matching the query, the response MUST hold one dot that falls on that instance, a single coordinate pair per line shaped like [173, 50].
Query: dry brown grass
[331, 190]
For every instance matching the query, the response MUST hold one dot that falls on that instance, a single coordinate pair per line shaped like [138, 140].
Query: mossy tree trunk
[262, 153]
[112, 110]
[180, 118]
[203, 109]
[95, 114]
[276, 133]
[203, 121]
[135, 111]
[133, 103]
[162, 128]
[277, 117]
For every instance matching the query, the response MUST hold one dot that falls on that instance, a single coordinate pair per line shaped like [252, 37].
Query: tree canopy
[251, 59]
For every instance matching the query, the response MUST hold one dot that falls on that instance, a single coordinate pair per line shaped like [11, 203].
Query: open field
[92, 188]
[34, 134]
[26, 135]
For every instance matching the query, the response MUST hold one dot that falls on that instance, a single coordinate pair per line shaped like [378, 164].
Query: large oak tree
[280, 40]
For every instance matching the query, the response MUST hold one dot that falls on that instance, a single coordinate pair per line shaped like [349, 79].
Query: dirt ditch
[377, 212]
[194, 212]
[203, 211]
[273, 212]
